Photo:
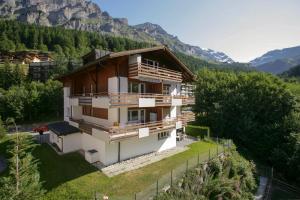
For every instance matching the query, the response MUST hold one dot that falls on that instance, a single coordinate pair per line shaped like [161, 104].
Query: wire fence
[166, 181]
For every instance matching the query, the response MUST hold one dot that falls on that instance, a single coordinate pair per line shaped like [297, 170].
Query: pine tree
[23, 181]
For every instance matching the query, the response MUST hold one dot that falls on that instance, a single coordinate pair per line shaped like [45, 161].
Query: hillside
[292, 72]
[278, 61]
[72, 44]
[87, 16]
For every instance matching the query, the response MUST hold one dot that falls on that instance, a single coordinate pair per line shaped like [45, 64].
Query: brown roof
[112, 55]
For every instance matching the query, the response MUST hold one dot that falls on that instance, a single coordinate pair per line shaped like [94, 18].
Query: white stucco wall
[123, 116]
[77, 112]
[55, 139]
[137, 58]
[138, 146]
[71, 142]
[113, 85]
[100, 102]
[89, 142]
[173, 111]
[113, 115]
[66, 103]
[123, 84]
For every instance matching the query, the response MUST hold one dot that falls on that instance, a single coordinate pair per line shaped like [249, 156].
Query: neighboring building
[122, 105]
[25, 57]
[41, 71]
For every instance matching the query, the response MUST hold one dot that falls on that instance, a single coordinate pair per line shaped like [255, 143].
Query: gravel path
[141, 161]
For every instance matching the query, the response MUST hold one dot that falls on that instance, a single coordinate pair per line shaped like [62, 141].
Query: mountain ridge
[278, 61]
[88, 16]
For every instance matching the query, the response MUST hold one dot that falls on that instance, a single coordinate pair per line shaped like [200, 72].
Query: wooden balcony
[187, 116]
[188, 100]
[142, 70]
[134, 100]
[128, 130]
[131, 130]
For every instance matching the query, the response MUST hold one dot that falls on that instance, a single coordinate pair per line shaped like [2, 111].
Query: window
[133, 87]
[133, 115]
[136, 116]
[166, 89]
[163, 135]
[151, 62]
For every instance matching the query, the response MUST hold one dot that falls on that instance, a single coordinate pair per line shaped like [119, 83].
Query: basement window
[163, 135]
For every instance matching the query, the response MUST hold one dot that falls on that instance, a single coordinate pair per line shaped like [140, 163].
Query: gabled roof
[112, 55]
[62, 128]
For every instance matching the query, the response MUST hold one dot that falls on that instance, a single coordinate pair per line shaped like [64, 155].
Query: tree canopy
[255, 109]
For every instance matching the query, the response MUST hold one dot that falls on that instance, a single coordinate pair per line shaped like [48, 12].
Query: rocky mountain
[86, 15]
[278, 61]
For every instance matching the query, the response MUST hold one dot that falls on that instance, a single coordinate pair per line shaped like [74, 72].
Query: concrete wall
[67, 106]
[138, 146]
[55, 139]
[71, 142]
[89, 142]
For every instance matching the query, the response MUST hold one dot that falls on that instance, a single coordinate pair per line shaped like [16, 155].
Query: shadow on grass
[57, 169]
[5, 146]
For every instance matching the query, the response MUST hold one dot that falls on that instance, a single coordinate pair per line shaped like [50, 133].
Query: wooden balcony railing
[188, 100]
[187, 116]
[130, 130]
[144, 70]
[133, 129]
[132, 100]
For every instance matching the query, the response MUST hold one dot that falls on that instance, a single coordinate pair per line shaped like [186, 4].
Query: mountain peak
[87, 16]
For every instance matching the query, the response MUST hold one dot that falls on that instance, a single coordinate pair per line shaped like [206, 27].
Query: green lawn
[70, 176]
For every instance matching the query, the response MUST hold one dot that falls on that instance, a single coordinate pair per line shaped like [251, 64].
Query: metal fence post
[171, 178]
[157, 187]
[187, 165]
[135, 196]
[208, 154]
[198, 159]
[217, 150]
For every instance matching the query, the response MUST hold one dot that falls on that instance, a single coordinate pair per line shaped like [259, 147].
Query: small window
[133, 115]
[163, 135]
[166, 89]
[133, 87]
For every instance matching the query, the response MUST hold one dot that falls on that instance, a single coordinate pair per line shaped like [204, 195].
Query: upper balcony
[141, 70]
[115, 100]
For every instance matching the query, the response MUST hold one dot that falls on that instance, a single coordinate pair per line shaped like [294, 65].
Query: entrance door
[142, 116]
[142, 88]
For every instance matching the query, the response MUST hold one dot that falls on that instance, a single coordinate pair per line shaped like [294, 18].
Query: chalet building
[25, 57]
[122, 105]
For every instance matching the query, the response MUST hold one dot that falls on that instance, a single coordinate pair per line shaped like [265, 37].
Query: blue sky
[243, 29]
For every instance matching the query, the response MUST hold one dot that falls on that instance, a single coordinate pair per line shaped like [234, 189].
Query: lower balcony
[129, 130]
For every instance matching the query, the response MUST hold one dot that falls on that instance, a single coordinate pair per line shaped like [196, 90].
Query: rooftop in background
[25, 57]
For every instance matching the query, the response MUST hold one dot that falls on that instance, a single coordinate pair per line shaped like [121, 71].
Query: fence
[166, 181]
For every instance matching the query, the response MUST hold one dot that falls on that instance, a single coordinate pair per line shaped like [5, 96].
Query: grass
[71, 176]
